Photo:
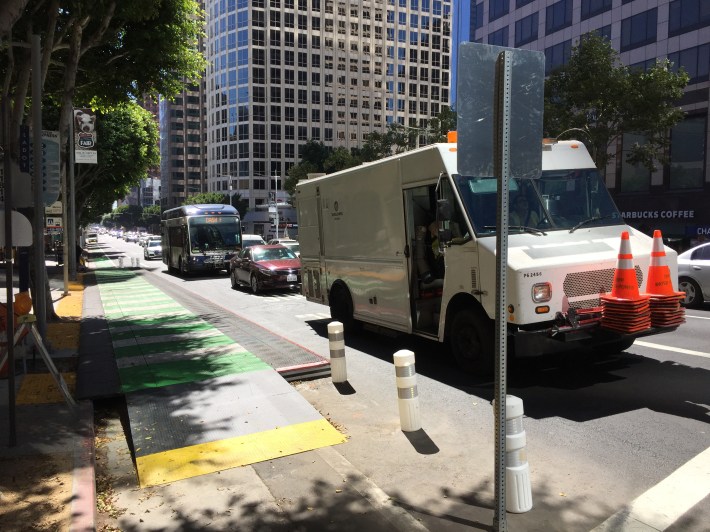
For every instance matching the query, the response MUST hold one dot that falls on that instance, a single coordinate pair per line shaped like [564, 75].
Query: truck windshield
[558, 200]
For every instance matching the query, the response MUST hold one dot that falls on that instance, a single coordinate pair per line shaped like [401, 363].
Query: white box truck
[366, 252]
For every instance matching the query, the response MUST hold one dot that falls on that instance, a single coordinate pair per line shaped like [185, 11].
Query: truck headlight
[541, 292]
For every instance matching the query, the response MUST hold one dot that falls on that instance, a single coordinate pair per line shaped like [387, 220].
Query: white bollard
[120, 262]
[518, 494]
[407, 391]
[336, 342]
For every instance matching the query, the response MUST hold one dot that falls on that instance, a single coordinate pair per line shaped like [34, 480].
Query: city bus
[200, 238]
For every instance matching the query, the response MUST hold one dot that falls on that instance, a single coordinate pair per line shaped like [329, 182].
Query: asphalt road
[601, 431]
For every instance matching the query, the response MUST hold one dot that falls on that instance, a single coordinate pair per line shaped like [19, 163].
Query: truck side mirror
[443, 210]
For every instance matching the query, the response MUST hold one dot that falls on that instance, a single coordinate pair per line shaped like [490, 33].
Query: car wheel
[471, 342]
[693, 292]
[254, 284]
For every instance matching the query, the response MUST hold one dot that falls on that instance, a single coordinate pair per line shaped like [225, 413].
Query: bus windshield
[214, 233]
[558, 200]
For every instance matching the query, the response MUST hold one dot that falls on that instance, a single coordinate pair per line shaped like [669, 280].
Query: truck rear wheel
[341, 307]
[471, 342]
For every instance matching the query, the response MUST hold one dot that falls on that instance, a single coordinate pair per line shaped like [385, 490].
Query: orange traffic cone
[665, 302]
[625, 310]
[659, 280]
[625, 285]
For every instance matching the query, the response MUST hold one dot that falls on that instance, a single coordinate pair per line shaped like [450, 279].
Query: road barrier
[407, 391]
[336, 342]
[517, 471]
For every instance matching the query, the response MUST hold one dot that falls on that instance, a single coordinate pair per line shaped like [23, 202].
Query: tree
[213, 198]
[95, 53]
[150, 218]
[594, 93]
[441, 124]
[128, 147]
[127, 216]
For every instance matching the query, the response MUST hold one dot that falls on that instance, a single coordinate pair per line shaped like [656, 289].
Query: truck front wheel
[471, 342]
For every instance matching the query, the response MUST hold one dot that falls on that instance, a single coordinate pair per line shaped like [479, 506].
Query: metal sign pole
[65, 206]
[9, 327]
[501, 160]
[40, 293]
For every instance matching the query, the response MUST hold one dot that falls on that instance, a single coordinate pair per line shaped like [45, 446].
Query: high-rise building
[182, 146]
[283, 72]
[675, 197]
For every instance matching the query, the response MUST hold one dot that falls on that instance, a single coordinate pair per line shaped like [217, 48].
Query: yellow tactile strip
[40, 388]
[179, 464]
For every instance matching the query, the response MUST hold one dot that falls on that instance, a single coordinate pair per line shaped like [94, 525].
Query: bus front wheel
[182, 266]
[471, 341]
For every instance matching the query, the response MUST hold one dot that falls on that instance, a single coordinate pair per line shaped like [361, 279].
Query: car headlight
[541, 292]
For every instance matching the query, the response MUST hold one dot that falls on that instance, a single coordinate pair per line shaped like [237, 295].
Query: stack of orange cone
[665, 302]
[625, 310]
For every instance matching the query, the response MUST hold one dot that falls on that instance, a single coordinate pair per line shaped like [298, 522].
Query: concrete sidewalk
[47, 476]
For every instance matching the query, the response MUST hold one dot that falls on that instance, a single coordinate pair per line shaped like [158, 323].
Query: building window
[687, 166]
[695, 61]
[497, 8]
[500, 37]
[558, 16]
[591, 8]
[639, 30]
[557, 56]
[526, 29]
[633, 177]
[687, 15]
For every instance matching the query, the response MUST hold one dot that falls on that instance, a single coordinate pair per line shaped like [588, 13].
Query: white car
[252, 240]
[290, 243]
[153, 250]
[694, 275]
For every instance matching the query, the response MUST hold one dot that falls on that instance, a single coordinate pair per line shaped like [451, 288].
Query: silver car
[694, 275]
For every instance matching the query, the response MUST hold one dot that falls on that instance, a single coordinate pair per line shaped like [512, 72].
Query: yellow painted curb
[41, 388]
[179, 464]
[70, 306]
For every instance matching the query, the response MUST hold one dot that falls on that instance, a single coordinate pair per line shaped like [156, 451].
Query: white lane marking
[697, 317]
[667, 501]
[674, 349]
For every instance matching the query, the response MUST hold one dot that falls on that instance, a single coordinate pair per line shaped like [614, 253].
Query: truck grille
[583, 288]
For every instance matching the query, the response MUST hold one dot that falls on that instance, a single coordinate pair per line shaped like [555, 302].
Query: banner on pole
[85, 137]
[51, 171]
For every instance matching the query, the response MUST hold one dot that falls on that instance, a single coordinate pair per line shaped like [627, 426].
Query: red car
[266, 267]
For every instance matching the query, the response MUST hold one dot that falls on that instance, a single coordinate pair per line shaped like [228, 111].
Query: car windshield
[273, 254]
[558, 200]
[154, 243]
